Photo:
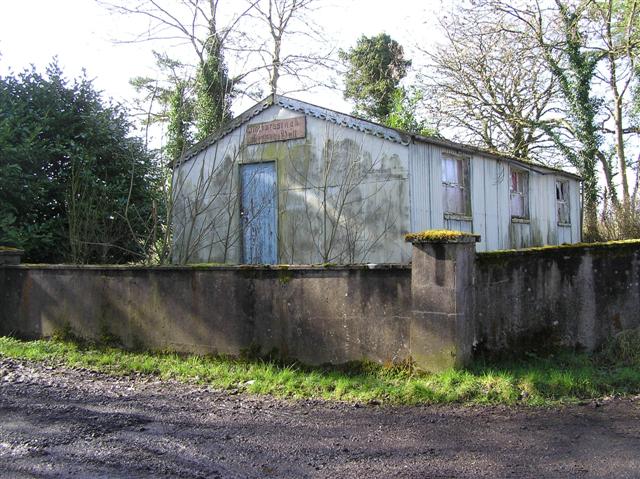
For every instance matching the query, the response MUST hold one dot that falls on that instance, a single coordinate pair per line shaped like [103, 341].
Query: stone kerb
[442, 320]
[10, 256]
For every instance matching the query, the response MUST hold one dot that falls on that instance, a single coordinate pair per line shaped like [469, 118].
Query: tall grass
[620, 222]
[558, 378]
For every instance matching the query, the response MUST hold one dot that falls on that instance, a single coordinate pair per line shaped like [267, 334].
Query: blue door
[258, 211]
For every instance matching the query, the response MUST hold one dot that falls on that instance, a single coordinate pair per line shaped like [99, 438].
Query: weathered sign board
[276, 130]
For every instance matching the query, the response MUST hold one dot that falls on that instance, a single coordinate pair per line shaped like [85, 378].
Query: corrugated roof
[359, 124]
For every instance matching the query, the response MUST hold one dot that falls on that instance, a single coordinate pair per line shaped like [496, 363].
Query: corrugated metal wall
[424, 206]
[490, 197]
[402, 193]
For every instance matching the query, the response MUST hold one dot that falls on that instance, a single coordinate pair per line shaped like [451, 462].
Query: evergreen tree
[404, 114]
[74, 185]
[214, 90]
[375, 67]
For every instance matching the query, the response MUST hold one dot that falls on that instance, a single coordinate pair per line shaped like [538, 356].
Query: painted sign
[276, 130]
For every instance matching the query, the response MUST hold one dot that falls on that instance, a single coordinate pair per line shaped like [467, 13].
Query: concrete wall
[574, 296]
[450, 303]
[442, 321]
[316, 315]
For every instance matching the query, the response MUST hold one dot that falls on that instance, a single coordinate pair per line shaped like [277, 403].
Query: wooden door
[258, 211]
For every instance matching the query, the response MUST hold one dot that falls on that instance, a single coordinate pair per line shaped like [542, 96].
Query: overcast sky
[82, 33]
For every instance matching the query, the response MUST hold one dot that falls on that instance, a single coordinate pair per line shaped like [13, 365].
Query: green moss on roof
[438, 235]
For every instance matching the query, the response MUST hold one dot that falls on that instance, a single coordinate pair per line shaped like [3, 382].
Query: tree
[487, 84]
[196, 23]
[214, 89]
[74, 186]
[617, 32]
[283, 19]
[566, 37]
[404, 113]
[375, 67]
[575, 70]
[168, 101]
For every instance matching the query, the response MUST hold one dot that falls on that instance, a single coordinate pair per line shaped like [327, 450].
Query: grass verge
[563, 377]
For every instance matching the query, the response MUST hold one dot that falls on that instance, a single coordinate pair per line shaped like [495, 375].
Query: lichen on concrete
[208, 265]
[435, 236]
[564, 248]
[284, 276]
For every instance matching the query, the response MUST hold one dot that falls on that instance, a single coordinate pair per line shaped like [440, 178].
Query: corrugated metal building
[293, 183]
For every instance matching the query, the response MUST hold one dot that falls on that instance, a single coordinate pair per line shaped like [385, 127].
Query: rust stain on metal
[277, 130]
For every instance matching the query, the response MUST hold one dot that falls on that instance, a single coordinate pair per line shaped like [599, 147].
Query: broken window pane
[455, 185]
[449, 171]
[519, 194]
[562, 202]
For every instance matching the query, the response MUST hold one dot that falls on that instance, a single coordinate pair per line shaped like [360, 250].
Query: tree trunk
[275, 74]
[590, 210]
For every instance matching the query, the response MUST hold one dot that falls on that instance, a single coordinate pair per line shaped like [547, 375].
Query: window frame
[464, 187]
[565, 202]
[523, 191]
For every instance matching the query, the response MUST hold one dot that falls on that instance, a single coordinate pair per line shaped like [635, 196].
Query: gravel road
[61, 422]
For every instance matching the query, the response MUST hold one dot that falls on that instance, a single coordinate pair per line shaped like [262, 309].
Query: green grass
[563, 377]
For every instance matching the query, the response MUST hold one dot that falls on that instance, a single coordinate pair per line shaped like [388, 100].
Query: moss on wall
[438, 236]
[573, 294]
[284, 276]
[609, 248]
[206, 265]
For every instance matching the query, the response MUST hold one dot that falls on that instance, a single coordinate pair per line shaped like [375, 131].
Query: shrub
[623, 348]
[620, 222]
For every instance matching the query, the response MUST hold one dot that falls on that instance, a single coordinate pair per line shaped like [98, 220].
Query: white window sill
[564, 224]
[524, 221]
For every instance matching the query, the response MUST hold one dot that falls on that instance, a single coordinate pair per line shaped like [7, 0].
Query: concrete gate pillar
[442, 289]
[10, 255]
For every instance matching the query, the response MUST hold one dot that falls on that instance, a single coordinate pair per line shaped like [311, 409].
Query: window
[455, 185]
[562, 202]
[519, 192]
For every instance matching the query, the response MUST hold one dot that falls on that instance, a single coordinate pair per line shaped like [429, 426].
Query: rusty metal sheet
[276, 130]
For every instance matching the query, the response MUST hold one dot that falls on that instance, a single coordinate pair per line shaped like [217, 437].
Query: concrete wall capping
[442, 236]
[10, 256]
[564, 249]
[218, 267]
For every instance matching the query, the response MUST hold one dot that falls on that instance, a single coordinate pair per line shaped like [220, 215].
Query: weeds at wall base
[562, 377]
[65, 333]
[623, 348]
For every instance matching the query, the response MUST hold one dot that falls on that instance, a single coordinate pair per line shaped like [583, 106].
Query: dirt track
[57, 422]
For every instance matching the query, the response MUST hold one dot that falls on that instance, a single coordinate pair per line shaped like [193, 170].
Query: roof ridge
[360, 124]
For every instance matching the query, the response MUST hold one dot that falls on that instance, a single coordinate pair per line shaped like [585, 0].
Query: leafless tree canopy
[599, 42]
[295, 46]
[275, 42]
[488, 85]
